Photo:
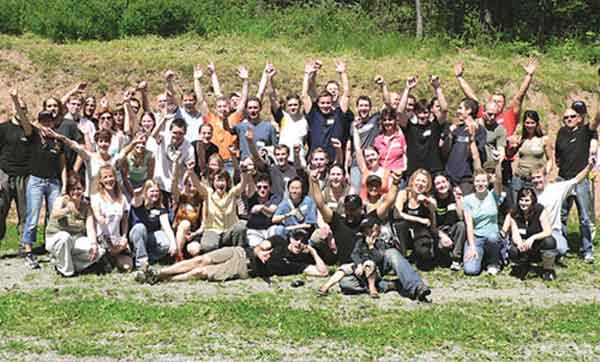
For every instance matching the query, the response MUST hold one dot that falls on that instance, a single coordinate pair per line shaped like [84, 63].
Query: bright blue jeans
[38, 189]
[488, 253]
[583, 201]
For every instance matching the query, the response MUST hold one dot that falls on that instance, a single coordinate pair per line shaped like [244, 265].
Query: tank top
[72, 222]
[531, 226]
[138, 174]
[420, 211]
[190, 210]
[531, 156]
[445, 213]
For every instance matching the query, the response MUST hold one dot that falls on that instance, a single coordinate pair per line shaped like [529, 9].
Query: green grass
[80, 323]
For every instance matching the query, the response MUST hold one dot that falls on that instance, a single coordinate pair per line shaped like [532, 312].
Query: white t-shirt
[113, 213]
[92, 167]
[552, 199]
[292, 132]
[193, 122]
[164, 164]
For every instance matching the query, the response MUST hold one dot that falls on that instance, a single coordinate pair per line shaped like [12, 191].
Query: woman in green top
[71, 232]
[138, 165]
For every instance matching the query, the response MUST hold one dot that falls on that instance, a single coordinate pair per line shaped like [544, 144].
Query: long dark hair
[538, 132]
[517, 213]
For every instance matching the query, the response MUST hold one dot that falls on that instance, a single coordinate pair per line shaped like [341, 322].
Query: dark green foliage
[375, 27]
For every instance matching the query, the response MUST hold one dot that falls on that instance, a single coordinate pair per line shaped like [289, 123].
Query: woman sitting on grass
[111, 211]
[531, 236]
[71, 232]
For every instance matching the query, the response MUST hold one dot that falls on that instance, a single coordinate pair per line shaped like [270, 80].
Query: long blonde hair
[411, 180]
[148, 185]
[98, 188]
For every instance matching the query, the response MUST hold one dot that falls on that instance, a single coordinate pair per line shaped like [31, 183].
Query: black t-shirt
[45, 157]
[423, 149]
[323, 128]
[460, 163]
[572, 149]
[68, 128]
[534, 226]
[283, 261]
[445, 213]
[15, 152]
[343, 233]
[260, 221]
[149, 217]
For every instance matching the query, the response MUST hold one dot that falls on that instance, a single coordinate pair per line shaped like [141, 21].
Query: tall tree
[419, 19]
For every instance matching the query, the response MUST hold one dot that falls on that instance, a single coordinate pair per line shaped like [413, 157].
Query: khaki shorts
[227, 263]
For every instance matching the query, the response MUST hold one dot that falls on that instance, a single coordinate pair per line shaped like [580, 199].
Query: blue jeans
[488, 253]
[407, 282]
[148, 247]
[38, 189]
[583, 201]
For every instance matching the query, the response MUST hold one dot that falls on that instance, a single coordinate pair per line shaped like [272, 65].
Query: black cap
[299, 234]
[45, 115]
[353, 202]
[370, 221]
[371, 179]
[579, 107]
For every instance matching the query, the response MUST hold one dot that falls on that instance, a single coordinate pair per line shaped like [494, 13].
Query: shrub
[11, 16]
[158, 17]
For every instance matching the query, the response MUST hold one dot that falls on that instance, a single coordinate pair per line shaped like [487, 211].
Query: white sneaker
[492, 270]
[589, 258]
[455, 266]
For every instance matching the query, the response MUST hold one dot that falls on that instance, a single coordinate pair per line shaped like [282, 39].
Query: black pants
[419, 239]
[540, 248]
[458, 234]
[13, 188]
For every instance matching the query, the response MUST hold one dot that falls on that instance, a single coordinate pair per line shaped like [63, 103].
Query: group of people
[226, 192]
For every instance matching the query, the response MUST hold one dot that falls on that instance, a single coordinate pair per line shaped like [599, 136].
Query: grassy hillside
[42, 68]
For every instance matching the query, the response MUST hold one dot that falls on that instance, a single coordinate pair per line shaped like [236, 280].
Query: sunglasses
[570, 116]
[262, 187]
[106, 118]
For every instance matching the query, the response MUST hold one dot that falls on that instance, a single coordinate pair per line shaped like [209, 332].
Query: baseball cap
[371, 179]
[579, 107]
[353, 202]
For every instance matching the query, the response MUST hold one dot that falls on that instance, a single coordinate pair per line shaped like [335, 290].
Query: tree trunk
[419, 19]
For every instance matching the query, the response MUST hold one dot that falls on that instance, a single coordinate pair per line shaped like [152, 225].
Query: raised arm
[312, 81]
[214, 79]
[273, 96]
[258, 161]
[309, 70]
[340, 67]
[262, 85]
[21, 113]
[459, 69]
[594, 114]
[78, 89]
[127, 123]
[437, 87]
[317, 195]
[143, 88]
[169, 88]
[384, 89]
[390, 197]
[243, 74]
[201, 187]
[517, 100]
[411, 83]
[358, 151]
[202, 104]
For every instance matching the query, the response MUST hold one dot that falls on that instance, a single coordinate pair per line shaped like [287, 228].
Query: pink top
[392, 151]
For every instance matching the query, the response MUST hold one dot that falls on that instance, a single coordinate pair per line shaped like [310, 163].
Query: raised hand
[169, 75]
[379, 80]
[340, 66]
[211, 68]
[412, 81]
[459, 68]
[336, 143]
[142, 86]
[243, 73]
[297, 148]
[81, 86]
[530, 66]
[198, 73]
[434, 80]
